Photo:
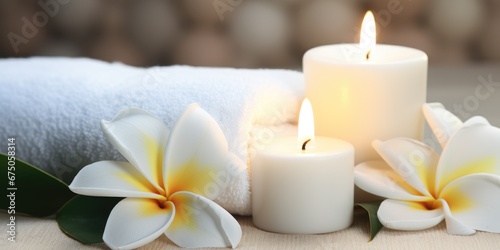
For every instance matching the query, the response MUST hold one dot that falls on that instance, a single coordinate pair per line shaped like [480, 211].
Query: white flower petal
[113, 179]
[476, 120]
[442, 122]
[404, 215]
[200, 222]
[454, 226]
[473, 149]
[141, 138]
[196, 156]
[136, 222]
[378, 178]
[414, 161]
[474, 200]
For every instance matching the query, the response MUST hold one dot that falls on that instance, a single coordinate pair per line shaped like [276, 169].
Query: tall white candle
[303, 184]
[362, 92]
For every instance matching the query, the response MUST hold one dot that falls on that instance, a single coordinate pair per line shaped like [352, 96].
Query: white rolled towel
[53, 107]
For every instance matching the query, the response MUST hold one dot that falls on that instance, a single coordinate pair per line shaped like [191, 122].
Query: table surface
[35, 233]
[458, 88]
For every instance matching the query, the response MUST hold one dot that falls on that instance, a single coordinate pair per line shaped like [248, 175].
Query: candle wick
[304, 144]
[368, 55]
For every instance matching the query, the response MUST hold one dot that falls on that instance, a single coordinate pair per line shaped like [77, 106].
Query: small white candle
[304, 184]
[362, 92]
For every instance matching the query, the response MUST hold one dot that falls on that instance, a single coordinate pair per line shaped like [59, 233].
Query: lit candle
[303, 184]
[362, 92]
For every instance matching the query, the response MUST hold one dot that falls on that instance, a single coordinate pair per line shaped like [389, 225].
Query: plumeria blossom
[461, 186]
[165, 181]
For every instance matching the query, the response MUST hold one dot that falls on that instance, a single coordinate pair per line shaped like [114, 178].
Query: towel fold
[53, 106]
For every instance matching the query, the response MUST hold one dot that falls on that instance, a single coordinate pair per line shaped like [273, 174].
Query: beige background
[248, 33]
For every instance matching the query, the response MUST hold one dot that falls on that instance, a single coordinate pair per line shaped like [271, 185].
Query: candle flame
[368, 36]
[306, 126]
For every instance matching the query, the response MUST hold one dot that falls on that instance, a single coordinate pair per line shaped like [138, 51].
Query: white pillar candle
[304, 184]
[362, 92]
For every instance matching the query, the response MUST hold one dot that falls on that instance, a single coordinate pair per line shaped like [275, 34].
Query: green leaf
[84, 217]
[30, 190]
[375, 225]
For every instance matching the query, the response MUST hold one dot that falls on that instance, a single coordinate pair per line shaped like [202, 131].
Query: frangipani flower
[164, 181]
[462, 186]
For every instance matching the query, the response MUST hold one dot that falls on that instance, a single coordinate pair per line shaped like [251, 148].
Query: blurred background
[243, 33]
